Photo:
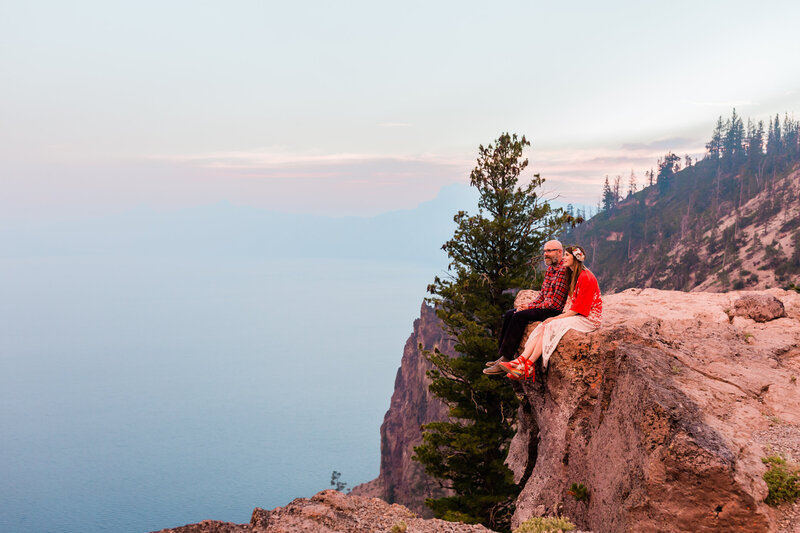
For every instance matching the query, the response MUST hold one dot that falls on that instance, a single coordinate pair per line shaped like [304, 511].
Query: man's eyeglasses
[551, 250]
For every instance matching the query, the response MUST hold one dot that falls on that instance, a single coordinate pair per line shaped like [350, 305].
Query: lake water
[139, 394]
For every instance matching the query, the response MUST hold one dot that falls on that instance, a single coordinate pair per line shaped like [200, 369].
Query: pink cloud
[389, 181]
[335, 184]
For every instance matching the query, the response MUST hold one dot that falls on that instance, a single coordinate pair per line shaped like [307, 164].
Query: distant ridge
[227, 230]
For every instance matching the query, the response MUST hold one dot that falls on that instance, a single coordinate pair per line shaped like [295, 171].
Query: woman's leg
[536, 353]
[522, 367]
[533, 346]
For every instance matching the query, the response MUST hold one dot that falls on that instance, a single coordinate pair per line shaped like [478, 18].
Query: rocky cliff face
[402, 480]
[664, 414]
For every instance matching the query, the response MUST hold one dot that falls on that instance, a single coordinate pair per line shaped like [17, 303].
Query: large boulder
[759, 307]
[663, 415]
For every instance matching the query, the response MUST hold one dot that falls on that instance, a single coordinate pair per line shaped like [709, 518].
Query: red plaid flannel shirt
[554, 289]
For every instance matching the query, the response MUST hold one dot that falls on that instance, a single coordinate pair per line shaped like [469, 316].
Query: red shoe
[519, 368]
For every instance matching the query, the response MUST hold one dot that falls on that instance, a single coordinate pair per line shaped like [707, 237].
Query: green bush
[783, 480]
[579, 491]
[545, 525]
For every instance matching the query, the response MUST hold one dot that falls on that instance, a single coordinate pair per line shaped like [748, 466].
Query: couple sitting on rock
[569, 299]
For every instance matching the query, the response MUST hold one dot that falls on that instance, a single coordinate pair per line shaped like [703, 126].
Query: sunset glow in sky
[363, 107]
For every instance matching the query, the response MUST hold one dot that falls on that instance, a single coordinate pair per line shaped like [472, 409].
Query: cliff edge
[402, 480]
[664, 413]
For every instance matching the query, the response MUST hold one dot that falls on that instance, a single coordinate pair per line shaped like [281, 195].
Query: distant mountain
[226, 230]
[728, 222]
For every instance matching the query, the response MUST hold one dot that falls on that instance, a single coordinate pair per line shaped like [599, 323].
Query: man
[549, 303]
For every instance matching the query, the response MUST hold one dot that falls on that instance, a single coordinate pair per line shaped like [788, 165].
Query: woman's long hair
[572, 279]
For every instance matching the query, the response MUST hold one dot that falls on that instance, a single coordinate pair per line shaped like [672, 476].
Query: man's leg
[507, 317]
[509, 342]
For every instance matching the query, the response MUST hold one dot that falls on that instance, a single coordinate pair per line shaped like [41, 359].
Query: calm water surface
[139, 394]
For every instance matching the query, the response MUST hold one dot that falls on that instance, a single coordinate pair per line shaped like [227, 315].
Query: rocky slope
[764, 245]
[709, 232]
[332, 512]
[664, 414]
[402, 480]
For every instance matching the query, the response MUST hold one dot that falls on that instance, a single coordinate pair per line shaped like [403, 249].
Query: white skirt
[556, 329]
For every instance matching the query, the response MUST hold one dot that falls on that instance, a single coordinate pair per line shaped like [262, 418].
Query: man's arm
[537, 302]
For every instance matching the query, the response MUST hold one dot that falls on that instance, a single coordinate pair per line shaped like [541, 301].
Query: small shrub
[783, 480]
[579, 492]
[458, 516]
[335, 483]
[399, 527]
[545, 525]
[773, 420]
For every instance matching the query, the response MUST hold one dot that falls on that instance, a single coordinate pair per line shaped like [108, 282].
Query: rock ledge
[661, 413]
[332, 512]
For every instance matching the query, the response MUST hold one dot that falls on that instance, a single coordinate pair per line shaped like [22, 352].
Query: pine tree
[490, 253]
[714, 146]
[774, 138]
[791, 138]
[608, 195]
[666, 169]
[755, 145]
[632, 184]
[732, 144]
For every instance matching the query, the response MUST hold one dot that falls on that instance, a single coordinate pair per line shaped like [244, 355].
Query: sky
[363, 107]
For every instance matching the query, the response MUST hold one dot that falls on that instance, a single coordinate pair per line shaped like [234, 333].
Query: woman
[582, 312]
